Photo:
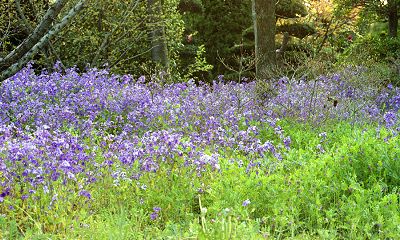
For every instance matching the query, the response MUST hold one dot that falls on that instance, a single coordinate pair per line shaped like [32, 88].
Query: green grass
[350, 190]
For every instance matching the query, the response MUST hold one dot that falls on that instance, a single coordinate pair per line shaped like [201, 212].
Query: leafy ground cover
[94, 156]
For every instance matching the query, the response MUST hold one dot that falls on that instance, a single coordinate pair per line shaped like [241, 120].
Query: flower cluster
[76, 128]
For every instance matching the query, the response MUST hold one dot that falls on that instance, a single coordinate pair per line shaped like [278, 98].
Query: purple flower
[48, 121]
[141, 79]
[5, 193]
[246, 202]
[153, 216]
[156, 209]
[390, 119]
[287, 141]
[85, 193]
[54, 176]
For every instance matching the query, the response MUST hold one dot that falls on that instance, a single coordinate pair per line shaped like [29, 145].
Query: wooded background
[199, 39]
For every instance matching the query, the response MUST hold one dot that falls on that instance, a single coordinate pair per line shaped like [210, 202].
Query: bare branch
[55, 30]
[29, 29]
[42, 28]
[106, 39]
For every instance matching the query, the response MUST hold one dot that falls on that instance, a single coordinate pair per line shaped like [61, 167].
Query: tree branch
[29, 29]
[55, 30]
[42, 28]
[107, 37]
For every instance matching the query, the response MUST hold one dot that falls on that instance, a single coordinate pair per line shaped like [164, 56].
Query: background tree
[33, 38]
[393, 17]
[206, 25]
[117, 34]
[264, 33]
[159, 51]
[230, 45]
[112, 33]
[13, 29]
[193, 36]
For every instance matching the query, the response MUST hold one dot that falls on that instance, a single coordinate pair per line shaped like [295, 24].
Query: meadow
[91, 155]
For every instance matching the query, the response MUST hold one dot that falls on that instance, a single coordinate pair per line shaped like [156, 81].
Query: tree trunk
[159, 50]
[264, 33]
[10, 71]
[393, 18]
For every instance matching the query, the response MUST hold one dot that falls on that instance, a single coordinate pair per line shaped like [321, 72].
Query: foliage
[379, 53]
[200, 65]
[194, 6]
[372, 11]
[334, 29]
[296, 29]
[291, 9]
[112, 34]
[217, 31]
[235, 39]
[12, 29]
[115, 35]
[377, 47]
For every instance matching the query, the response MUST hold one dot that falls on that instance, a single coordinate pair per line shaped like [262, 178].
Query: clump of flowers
[74, 129]
[390, 118]
[154, 215]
